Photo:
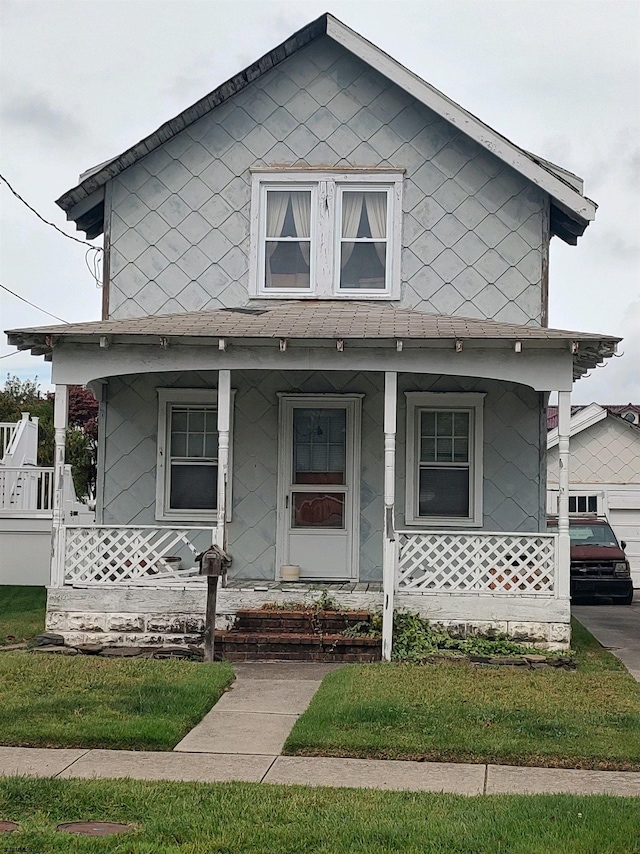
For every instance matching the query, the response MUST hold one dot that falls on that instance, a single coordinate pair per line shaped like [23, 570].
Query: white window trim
[325, 236]
[471, 402]
[168, 397]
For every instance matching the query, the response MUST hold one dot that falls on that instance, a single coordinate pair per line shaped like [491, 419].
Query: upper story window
[326, 234]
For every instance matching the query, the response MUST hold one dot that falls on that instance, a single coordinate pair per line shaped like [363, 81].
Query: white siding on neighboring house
[605, 463]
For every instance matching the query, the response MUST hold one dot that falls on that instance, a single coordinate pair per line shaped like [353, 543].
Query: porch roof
[317, 320]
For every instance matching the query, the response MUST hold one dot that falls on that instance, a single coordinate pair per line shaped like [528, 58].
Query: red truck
[599, 567]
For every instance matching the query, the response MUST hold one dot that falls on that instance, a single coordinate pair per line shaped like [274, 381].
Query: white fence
[128, 554]
[28, 489]
[482, 562]
[7, 430]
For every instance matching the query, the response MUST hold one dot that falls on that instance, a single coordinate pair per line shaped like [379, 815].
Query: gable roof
[571, 212]
[583, 417]
[323, 320]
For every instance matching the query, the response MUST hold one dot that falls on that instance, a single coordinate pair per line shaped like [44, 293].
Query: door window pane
[318, 510]
[319, 445]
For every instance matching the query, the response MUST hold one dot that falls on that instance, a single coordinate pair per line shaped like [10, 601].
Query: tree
[21, 396]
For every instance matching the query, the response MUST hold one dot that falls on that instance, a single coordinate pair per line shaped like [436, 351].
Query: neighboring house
[26, 505]
[324, 343]
[604, 469]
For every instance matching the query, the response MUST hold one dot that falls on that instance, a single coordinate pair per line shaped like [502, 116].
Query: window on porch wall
[444, 459]
[193, 460]
[187, 458]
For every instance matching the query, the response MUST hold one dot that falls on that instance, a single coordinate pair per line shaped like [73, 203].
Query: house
[604, 469]
[324, 344]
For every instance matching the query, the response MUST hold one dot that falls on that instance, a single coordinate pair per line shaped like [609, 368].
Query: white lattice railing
[483, 562]
[106, 554]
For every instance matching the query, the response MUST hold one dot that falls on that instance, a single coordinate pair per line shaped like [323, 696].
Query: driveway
[617, 627]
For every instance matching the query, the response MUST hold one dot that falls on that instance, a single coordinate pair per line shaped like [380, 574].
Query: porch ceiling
[311, 320]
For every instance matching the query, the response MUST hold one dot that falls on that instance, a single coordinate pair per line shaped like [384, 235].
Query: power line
[46, 221]
[32, 304]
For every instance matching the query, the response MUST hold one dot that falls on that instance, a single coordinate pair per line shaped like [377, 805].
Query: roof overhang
[330, 324]
[571, 211]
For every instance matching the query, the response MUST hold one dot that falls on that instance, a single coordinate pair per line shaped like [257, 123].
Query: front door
[318, 493]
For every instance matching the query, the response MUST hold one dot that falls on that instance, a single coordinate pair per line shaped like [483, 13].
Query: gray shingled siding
[511, 455]
[472, 227]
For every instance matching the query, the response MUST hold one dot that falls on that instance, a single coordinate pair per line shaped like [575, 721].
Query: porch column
[389, 548]
[224, 421]
[564, 545]
[60, 412]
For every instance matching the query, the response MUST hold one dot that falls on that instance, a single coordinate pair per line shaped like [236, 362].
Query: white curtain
[277, 204]
[377, 213]
[301, 208]
[351, 213]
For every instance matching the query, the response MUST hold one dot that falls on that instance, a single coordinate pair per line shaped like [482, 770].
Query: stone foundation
[174, 616]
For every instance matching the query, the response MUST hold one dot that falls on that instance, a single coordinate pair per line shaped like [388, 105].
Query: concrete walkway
[242, 736]
[255, 716]
[617, 627]
[464, 779]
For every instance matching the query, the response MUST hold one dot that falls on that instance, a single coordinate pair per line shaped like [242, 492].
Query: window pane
[444, 492]
[318, 510]
[572, 504]
[427, 450]
[364, 214]
[211, 445]
[461, 450]
[582, 504]
[363, 265]
[179, 420]
[428, 423]
[444, 423]
[461, 423]
[288, 213]
[444, 450]
[287, 264]
[593, 503]
[196, 420]
[193, 487]
[179, 445]
[195, 445]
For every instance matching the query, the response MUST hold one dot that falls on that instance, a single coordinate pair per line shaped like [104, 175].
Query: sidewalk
[241, 738]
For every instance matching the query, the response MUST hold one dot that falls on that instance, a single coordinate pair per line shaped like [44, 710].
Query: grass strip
[244, 818]
[85, 701]
[457, 712]
[21, 612]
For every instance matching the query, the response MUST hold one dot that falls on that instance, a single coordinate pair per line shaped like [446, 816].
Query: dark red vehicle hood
[603, 553]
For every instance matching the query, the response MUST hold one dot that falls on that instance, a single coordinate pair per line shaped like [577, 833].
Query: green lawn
[453, 711]
[244, 818]
[85, 701]
[21, 612]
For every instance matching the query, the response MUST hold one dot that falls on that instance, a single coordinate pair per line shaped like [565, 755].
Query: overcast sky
[81, 81]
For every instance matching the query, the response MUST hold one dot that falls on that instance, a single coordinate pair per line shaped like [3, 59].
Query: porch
[118, 586]
[390, 385]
